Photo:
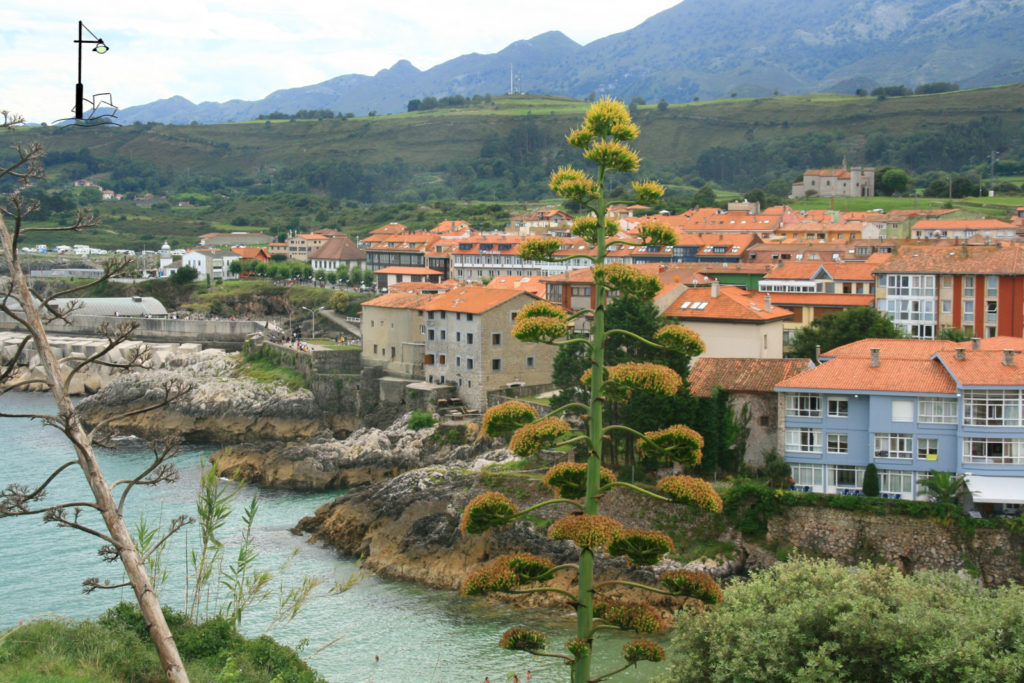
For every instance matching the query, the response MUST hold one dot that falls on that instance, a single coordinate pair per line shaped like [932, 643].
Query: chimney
[767, 302]
[716, 289]
[876, 357]
[1008, 357]
[975, 343]
[960, 353]
[817, 353]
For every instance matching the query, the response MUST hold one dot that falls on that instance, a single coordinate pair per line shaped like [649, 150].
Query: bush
[420, 419]
[814, 620]
[871, 486]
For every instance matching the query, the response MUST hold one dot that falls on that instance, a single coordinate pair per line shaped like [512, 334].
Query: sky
[246, 49]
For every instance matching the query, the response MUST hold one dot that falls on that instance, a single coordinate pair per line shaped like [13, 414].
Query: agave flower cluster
[603, 137]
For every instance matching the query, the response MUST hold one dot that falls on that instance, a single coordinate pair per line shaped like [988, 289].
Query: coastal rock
[222, 407]
[368, 455]
[408, 529]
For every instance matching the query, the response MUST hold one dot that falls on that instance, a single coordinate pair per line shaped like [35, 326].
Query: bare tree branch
[15, 499]
[93, 583]
[177, 524]
[58, 514]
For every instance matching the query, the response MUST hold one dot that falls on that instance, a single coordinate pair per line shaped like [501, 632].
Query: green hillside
[282, 174]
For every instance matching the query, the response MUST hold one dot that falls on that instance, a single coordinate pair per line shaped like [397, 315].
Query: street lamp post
[100, 48]
[314, 312]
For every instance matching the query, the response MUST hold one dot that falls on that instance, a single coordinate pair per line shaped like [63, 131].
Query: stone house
[858, 181]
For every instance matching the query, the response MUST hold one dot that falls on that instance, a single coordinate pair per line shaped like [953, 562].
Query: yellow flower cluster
[692, 584]
[489, 509]
[610, 118]
[542, 309]
[519, 638]
[692, 491]
[657, 234]
[651, 377]
[569, 479]
[586, 531]
[642, 650]
[642, 547]
[631, 616]
[537, 329]
[541, 249]
[530, 438]
[680, 338]
[507, 417]
[678, 443]
[628, 280]
[613, 155]
[648, 190]
[586, 227]
[506, 573]
[573, 184]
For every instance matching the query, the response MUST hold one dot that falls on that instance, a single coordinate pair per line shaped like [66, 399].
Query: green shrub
[420, 419]
[871, 486]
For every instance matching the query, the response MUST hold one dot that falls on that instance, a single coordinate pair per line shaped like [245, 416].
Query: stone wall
[996, 556]
[333, 375]
[225, 334]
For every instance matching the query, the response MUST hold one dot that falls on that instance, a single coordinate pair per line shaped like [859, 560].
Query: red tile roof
[413, 300]
[742, 374]
[533, 285]
[731, 305]
[1007, 259]
[339, 248]
[984, 368]
[906, 375]
[472, 299]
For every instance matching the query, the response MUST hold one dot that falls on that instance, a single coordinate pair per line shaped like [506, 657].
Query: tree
[606, 129]
[185, 275]
[870, 486]
[837, 329]
[31, 312]
[662, 104]
[369, 279]
[864, 623]
[705, 196]
[343, 273]
[894, 181]
[944, 487]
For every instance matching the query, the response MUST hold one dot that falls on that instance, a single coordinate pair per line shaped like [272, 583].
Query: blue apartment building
[910, 406]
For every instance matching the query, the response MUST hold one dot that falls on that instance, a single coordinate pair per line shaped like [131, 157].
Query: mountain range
[705, 49]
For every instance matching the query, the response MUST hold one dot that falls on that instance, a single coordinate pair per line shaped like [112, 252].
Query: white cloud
[238, 49]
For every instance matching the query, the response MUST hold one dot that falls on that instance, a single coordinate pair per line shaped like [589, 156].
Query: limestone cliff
[222, 408]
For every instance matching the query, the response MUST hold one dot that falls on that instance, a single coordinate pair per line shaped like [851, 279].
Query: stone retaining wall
[995, 555]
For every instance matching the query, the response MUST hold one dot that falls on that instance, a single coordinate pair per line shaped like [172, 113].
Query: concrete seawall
[222, 334]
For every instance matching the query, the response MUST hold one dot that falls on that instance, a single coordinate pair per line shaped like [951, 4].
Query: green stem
[632, 584]
[635, 336]
[638, 489]
[548, 502]
[545, 589]
[562, 409]
[610, 673]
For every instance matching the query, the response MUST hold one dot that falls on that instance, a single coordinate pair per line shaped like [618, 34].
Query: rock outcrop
[368, 455]
[408, 529]
[222, 407]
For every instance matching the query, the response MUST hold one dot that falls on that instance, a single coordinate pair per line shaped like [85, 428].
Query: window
[838, 407]
[845, 476]
[430, 315]
[469, 363]
[375, 349]
[530, 362]
[900, 482]
[968, 311]
[444, 334]
[936, 411]
[993, 408]
[803, 440]
[469, 337]
[444, 315]
[458, 336]
[902, 411]
[442, 360]
[927, 448]
[992, 286]
[430, 335]
[496, 339]
[458, 361]
[807, 475]
[993, 451]
[838, 444]
[495, 364]
[947, 281]
[803, 405]
[469, 316]
[947, 306]
[893, 445]
[969, 286]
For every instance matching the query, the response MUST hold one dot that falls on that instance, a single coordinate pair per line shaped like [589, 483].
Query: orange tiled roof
[412, 300]
[731, 305]
[983, 368]
[828, 172]
[471, 299]
[339, 248]
[390, 229]
[951, 259]
[976, 224]
[533, 285]
[742, 374]
[918, 348]
[822, 299]
[911, 375]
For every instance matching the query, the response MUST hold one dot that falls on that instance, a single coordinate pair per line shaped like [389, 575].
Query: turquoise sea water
[419, 634]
